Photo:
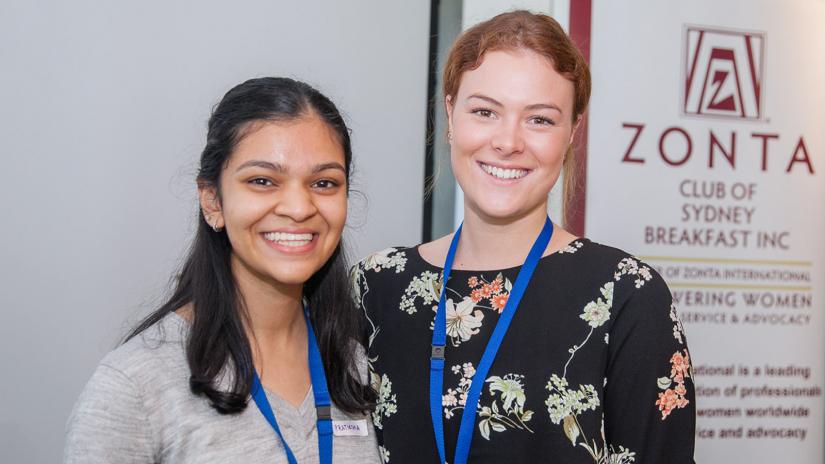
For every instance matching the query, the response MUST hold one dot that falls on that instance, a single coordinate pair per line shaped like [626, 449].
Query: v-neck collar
[280, 404]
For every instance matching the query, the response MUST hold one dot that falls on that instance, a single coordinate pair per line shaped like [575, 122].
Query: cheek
[334, 211]
[468, 136]
[467, 141]
[241, 210]
[549, 149]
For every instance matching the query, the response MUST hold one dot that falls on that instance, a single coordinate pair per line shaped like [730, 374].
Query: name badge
[350, 428]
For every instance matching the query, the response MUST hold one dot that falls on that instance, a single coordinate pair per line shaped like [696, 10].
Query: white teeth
[504, 173]
[286, 239]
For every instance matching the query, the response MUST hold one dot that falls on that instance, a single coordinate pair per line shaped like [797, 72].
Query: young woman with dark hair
[262, 308]
[572, 355]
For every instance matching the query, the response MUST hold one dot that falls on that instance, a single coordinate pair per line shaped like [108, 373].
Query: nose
[508, 139]
[297, 203]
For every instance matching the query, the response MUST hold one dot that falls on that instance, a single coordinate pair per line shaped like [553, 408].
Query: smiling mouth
[503, 174]
[289, 240]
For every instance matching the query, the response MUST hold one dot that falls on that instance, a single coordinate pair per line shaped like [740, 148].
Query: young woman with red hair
[574, 354]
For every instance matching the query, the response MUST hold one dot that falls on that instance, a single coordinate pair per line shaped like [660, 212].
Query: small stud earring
[450, 136]
[213, 226]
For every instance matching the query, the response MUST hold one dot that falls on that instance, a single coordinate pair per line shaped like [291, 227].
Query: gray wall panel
[103, 109]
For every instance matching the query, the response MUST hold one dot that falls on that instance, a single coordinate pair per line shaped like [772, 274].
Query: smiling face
[511, 123]
[283, 200]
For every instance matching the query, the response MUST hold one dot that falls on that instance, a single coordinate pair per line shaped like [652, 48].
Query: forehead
[305, 141]
[518, 76]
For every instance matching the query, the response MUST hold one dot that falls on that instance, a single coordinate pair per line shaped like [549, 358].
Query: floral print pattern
[678, 330]
[563, 402]
[386, 405]
[463, 320]
[426, 286]
[387, 259]
[384, 454]
[510, 391]
[631, 267]
[465, 317]
[511, 414]
[597, 312]
[622, 456]
[510, 406]
[572, 247]
[565, 405]
[456, 398]
[497, 291]
[674, 398]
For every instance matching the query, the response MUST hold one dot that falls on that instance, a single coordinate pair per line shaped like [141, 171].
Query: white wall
[103, 109]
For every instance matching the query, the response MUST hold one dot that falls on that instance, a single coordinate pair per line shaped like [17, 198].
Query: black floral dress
[594, 367]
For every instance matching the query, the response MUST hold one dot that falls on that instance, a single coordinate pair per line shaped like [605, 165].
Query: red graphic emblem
[723, 72]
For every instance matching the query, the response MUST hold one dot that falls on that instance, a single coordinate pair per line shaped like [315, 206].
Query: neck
[487, 243]
[273, 313]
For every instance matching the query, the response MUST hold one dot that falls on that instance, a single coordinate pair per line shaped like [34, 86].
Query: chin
[292, 278]
[292, 275]
[499, 214]
[503, 209]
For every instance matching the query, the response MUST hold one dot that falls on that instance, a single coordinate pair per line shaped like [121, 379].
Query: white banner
[705, 158]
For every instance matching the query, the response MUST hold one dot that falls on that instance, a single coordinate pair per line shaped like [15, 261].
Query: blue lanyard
[468, 417]
[322, 401]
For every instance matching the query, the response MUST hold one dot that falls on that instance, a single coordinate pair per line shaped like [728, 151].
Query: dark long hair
[217, 340]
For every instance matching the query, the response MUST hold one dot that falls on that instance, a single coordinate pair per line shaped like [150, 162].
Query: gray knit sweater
[137, 408]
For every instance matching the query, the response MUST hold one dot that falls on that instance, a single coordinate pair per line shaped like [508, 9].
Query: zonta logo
[723, 77]
[723, 72]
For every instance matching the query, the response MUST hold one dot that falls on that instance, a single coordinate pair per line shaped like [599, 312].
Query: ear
[576, 126]
[448, 105]
[210, 205]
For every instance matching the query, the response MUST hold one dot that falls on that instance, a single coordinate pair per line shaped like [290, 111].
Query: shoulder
[609, 260]
[117, 409]
[147, 359]
[160, 345]
[639, 296]
[383, 276]
[385, 266]
[631, 271]
[626, 276]
[139, 371]
[393, 260]
[595, 253]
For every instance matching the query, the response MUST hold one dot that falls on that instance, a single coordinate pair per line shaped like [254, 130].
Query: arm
[109, 422]
[649, 396]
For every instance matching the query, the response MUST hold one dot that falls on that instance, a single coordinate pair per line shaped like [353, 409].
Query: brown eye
[542, 121]
[261, 181]
[325, 184]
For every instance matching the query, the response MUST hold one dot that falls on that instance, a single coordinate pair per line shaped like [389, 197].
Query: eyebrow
[543, 106]
[325, 166]
[262, 164]
[280, 168]
[492, 101]
[535, 106]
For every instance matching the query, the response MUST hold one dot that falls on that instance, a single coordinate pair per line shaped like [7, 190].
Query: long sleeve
[109, 423]
[372, 279]
[649, 396]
